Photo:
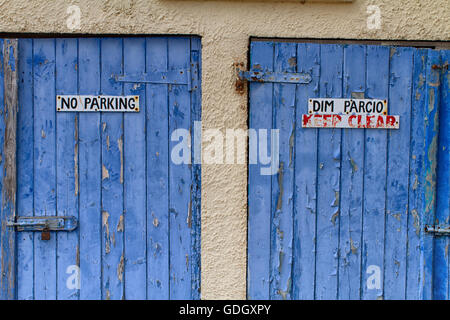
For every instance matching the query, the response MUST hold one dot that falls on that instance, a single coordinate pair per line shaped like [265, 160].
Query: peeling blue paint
[361, 197]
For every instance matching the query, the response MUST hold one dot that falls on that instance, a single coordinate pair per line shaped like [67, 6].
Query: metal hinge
[275, 77]
[443, 67]
[44, 224]
[187, 77]
[442, 230]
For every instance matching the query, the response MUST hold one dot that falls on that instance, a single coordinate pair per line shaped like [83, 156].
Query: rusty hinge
[44, 224]
[443, 67]
[438, 230]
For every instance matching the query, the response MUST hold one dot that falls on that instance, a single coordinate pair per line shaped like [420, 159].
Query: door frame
[9, 53]
[431, 134]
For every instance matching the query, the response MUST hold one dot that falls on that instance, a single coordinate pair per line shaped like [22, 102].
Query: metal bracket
[275, 77]
[187, 77]
[44, 223]
[442, 230]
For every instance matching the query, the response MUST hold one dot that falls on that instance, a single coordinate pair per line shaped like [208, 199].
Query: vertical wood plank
[416, 186]
[283, 182]
[434, 89]
[442, 210]
[90, 174]
[305, 157]
[429, 173]
[259, 189]
[374, 201]
[400, 81]
[179, 179]
[134, 176]
[352, 191]
[25, 172]
[67, 165]
[195, 227]
[329, 164]
[112, 174]
[44, 164]
[8, 128]
[157, 124]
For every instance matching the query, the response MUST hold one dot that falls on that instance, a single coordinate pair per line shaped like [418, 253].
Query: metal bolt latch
[438, 230]
[44, 224]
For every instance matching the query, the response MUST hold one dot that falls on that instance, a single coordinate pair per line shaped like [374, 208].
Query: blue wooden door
[139, 213]
[344, 217]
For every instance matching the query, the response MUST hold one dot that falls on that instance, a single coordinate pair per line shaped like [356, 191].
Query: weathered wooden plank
[8, 128]
[414, 285]
[112, 175]
[429, 172]
[90, 173]
[44, 164]
[401, 63]
[25, 172]
[3, 231]
[442, 210]
[386, 204]
[328, 194]
[67, 189]
[305, 157]
[196, 193]
[259, 188]
[135, 176]
[179, 179]
[374, 200]
[351, 191]
[435, 88]
[285, 60]
[157, 123]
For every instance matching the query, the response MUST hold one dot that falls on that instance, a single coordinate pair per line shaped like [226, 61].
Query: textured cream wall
[225, 28]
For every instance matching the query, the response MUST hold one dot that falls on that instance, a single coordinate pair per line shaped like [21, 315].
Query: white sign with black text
[347, 106]
[80, 103]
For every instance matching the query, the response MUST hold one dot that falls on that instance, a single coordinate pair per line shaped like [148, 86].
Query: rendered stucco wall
[225, 27]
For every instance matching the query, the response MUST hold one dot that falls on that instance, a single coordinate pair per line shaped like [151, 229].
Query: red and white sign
[349, 113]
[352, 121]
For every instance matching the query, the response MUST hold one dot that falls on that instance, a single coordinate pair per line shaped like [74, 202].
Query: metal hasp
[438, 230]
[44, 224]
[277, 77]
[187, 77]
